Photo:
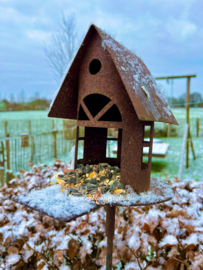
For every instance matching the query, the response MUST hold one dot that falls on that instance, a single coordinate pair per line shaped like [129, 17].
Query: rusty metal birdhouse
[107, 86]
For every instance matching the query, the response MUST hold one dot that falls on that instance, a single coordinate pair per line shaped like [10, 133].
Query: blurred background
[38, 39]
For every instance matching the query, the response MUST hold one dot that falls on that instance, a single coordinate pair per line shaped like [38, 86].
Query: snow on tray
[56, 204]
[159, 191]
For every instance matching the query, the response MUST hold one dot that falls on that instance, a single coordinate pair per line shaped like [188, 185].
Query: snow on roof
[147, 97]
[137, 77]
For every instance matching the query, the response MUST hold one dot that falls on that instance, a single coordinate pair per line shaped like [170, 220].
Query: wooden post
[7, 158]
[52, 124]
[191, 144]
[2, 163]
[32, 149]
[198, 127]
[168, 130]
[76, 147]
[188, 120]
[183, 152]
[29, 127]
[55, 143]
[5, 128]
[110, 224]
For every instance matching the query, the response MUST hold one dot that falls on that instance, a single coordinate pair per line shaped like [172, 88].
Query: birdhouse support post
[110, 225]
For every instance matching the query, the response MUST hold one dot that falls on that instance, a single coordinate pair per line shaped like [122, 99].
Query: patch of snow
[55, 203]
[103, 45]
[132, 265]
[168, 240]
[192, 239]
[64, 267]
[13, 259]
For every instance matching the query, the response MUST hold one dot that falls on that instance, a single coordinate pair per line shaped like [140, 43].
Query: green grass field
[170, 164]
[160, 167]
[23, 115]
[180, 113]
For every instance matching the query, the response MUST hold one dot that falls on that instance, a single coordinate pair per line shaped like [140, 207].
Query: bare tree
[62, 47]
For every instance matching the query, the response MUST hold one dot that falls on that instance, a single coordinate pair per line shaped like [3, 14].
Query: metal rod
[188, 120]
[175, 77]
[110, 224]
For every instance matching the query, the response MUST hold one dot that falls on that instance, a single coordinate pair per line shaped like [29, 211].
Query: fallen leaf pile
[91, 180]
[165, 236]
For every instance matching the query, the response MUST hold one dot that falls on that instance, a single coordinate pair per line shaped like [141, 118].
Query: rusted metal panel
[149, 103]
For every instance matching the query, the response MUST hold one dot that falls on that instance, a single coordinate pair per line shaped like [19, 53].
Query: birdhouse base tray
[50, 201]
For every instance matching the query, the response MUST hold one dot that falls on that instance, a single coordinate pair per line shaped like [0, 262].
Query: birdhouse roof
[146, 96]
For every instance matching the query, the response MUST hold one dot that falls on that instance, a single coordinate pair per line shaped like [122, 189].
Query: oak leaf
[72, 248]
[171, 264]
[190, 255]
[59, 255]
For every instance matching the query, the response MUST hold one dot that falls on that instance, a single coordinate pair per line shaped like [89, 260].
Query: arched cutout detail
[113, 115]
[95, 103]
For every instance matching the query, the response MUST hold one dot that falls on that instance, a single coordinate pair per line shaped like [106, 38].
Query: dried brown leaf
[136, 209]
[21, 172]
[189, 228]
[59, 255]
[12, 250]
[7, 241]
[190, 255]
[176, 213]
[40, 265]
[72, 248]
[171, 264]
[83, 226]
[146, 227]
[20, 265]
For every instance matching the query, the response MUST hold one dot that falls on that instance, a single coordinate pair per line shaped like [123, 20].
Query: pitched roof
[146, 96]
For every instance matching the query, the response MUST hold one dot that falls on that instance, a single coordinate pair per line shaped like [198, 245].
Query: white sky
[167, 35]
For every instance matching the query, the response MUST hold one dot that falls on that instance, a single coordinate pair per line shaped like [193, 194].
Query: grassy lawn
[170, 164]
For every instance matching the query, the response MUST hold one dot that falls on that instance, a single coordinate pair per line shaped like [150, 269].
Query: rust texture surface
[149, 103]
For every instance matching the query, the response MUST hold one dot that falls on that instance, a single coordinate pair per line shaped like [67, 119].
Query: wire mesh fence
[34, 126]
[39, 148]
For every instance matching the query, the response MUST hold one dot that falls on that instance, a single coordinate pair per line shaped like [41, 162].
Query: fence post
[198, 127]
[7, 158]
[32, 149]
[5, 128]
[52, 124]
[168, 130]
[29, 127]
[2, 163]
[183, 152]
[55, 143]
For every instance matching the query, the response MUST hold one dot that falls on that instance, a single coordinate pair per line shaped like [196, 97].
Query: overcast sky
[167, 35]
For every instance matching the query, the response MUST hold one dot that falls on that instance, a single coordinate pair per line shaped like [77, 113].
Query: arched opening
[95, 103]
